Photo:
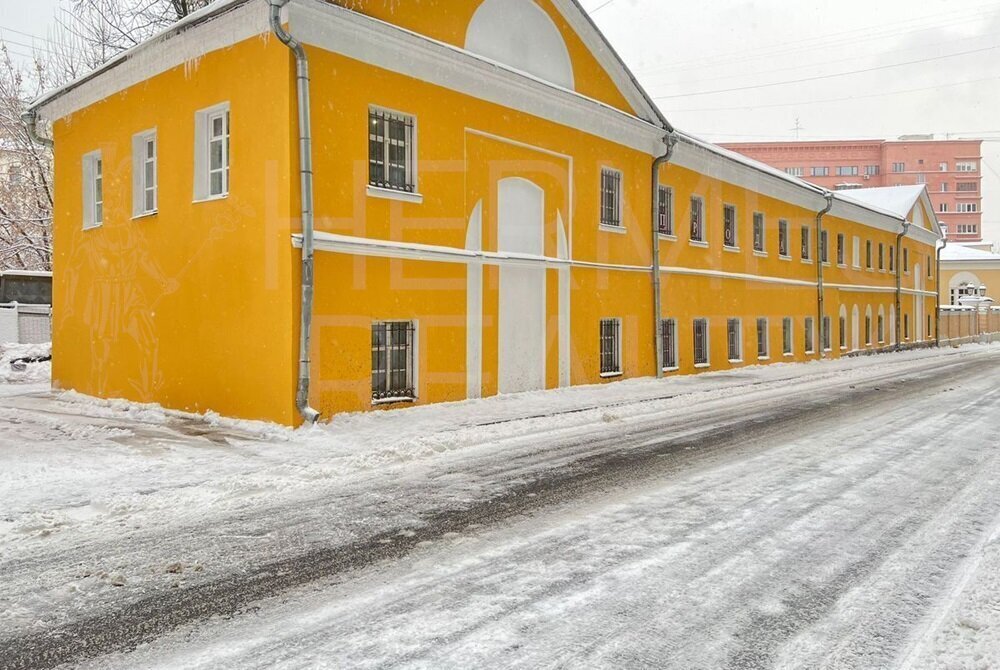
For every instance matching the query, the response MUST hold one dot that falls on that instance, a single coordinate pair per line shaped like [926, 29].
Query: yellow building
[487, 199]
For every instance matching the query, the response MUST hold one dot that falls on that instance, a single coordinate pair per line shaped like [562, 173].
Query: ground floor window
[701, 342]
[906, 326]
[611, 347]
[843, 332]
[809, 337]
[825, 334]
[929, 333]
[668, 331]
[734, 335]
[393, 377]
[868, 330]
[786, 336]
[763, 350]
[881, 329]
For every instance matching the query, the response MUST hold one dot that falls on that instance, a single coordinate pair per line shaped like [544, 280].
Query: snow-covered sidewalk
[110, 502]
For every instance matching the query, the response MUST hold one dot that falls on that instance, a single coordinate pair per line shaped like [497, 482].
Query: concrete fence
[960, 325]
[25, 324]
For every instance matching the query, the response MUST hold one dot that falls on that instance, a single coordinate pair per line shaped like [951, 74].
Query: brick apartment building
[950, 168]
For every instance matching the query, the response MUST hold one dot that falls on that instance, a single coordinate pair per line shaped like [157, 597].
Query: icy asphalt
[837, 515]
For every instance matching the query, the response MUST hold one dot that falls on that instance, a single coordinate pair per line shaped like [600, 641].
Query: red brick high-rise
[950, 168]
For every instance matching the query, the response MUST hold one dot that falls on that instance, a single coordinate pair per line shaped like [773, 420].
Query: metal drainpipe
[309, 414]
[671, 142]
[30, 119]
[937, 306]
[819, 266]
[899, 285]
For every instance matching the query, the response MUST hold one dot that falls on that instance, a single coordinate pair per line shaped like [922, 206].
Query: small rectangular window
[821, 171]
[899, 167]
[144, 173]
[967, 186]
[892, 259]
[967, 207]
[881, 256]
[701, 342]
[668, 331]
[665, 211]
[906, 326]
[393, 371]
[729, 231]
[763, 346]
[805, 243]
[871, 170]
[783, 238]
[840, 248]
[392, 150]
[786, 336]
[611, 347]
[868, 254]
[795, 171]
[810, 342]
[943, 207]
[843, 333]
[856, 257]
[824, 253]
[734, 336]
[880, 322]
[758, 231]
[93, 190]
[966, 166]
[868, 330]
[697, 219]
[906, 260]
[212, 153]
[611, 198]
[825, 333]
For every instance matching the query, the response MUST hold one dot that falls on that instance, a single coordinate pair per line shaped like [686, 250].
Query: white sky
[679, 48]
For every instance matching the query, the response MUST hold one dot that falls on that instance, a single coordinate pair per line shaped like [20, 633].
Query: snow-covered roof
[899, 200]
[958, 252]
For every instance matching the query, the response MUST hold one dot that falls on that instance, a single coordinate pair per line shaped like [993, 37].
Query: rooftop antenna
[798, 128]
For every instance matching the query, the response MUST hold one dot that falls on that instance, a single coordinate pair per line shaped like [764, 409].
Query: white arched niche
[519, 34]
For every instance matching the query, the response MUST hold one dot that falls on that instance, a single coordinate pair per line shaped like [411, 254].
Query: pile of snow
[33, 372]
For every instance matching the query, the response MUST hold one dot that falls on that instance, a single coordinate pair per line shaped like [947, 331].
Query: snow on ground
[34, 372]
[106, 501]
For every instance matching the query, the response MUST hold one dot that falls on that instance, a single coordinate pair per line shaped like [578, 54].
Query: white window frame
[841, 250]
[787, 336]
[617, 342]
[763, 338]
[383, 190]
[759, 234]
[734, 223]
[783, 234]
[704, 323]
[140, 187]
[203, 140]
[739, 340]
[665, 212]
[809, 333]
[93, 190]
[618, 226]
[702, 239]
[856, 248]
[825, 336]
[806, 243]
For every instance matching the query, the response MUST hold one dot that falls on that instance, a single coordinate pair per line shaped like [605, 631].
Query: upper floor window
[611, 197]
[665, 211]
[824, 253]
[821, 171]
[967, 186]
[783, 238]
[892, 259]
[795, 171]
[921, 179]
[93, 190]
[872, 170]
[729, 232]
[758, 231]
[899, 167]
[906, 260]
[856, 248]
[944, 187]
[943, 166]
[393, 369]
[868, 254]
[847, 171]
[805, 243]
[697, 219]
[967, 207]
[881, 256]
[144, 173]
[943, 207]
[966, 166]
[611, 347]
[211, 165]
[840, 248]
[392, 150]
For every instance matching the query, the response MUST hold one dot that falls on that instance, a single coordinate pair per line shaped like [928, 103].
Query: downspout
[671, 141]
[30, 120]
[937, 307]
[899, 285]
[819, 267]
[309, 414]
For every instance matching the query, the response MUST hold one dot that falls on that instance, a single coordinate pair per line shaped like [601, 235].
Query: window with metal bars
[843, 333]
[758, 231]
[906, 260]
[892, 259]
[701, 342]
[611, 350]
[393, 344]
[868, 329]
[611, 197]
[697, 219]
[786, 336]
[805, 243]
[668, 331]
[906, 326]
[391, 152]
[868, 254]
[809, 338]
[763, 346]
[734, 337]
[783, 238]
[825, 333]
[824, 253]
[665, 211]
[729, 232]
[881, 329]
[840, 248]
[881, 256]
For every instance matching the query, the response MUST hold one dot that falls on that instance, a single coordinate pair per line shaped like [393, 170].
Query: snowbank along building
[486, 202]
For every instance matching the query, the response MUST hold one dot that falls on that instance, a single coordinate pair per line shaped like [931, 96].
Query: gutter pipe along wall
[819, 269]
[308, 414]
[671, 142]
[899, 285]
[937, 302]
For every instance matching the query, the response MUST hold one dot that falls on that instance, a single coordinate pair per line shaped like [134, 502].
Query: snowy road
[835, 515]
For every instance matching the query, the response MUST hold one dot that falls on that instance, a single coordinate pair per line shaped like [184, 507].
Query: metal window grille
[762, 348]
[840, 249]
[906, 326]
[826, 333]
[392, 360]
[786, 336]
[611, 346]
[665, 211]
[782, 238]
[729, 225]
[697, 220]
[805, 242]
[611, 201]
[390, 151]
[700, 342]
[758, 231]
[868, 329]
[881, 328]
[809, 335]
[881, 256]
[668, 331]
[892, 259]
[733, 337]
[906, 260]
[824, 256]
[843, 333]
[868, 254]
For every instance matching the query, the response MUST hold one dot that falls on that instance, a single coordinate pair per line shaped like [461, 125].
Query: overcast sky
[949, 80]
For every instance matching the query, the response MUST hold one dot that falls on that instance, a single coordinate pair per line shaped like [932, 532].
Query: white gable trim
[396, 49]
